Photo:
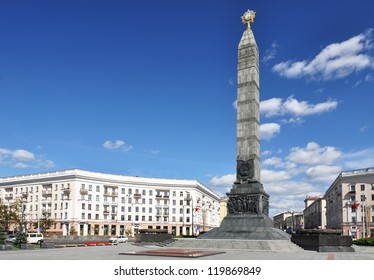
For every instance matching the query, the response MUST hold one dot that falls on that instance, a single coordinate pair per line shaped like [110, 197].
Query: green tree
[45, 222]
[9, 215]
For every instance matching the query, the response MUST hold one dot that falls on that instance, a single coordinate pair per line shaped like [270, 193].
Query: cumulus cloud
[269, 130]
[292, 106]
[335, 61]
[117, 145]
[313, 154]
[222, 184]
[23, 159]
[323, 173]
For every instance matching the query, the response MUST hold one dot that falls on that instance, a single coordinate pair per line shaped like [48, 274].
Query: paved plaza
[114, 252]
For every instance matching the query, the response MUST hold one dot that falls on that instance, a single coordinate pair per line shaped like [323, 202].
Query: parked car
[119, 239]
[35, 238]
[10, 239]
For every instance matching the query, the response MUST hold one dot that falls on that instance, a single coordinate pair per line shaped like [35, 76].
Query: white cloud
[323, 173]
[359, 159]
[23, 159]
[117, 145]
[271, 52]
[272, 107]
[335, 61]
[291, 106]
[313, 154]
[155, 152]
[222, 184]
[303, 108]
[23, 155]
[109, 145]
[269, 130]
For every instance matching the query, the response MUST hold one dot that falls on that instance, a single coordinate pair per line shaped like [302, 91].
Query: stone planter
[6, 247]
[324, 242]
[27, 246]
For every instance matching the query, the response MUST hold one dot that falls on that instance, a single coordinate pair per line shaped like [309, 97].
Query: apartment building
[350, 203]
[91, 203]
[315, 212]
[289, 221]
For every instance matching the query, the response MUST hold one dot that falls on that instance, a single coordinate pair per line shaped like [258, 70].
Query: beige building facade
[350, 203]
[90, 203]
[315, 212]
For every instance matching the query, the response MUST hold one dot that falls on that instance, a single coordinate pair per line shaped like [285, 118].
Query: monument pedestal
[247, 219]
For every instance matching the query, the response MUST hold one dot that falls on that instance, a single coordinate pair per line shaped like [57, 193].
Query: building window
[150, 192]
[143, 200]
[90, 197]
[362, 187]
[352, 187]
[180, 202]
[180, 193]
[90, 187]
[136, 218]
[143, 218]
[97, 207]
[353, 198]
[174, 202]
[123, 191]
[89, 207]
[97, 188]
[83, 206]
[150, 218]
[372, 197]
[143, 192]
[130, 191]
[150, 201]
[83, 216]
[129, 209]
[89, 216]
[122, 208]
[97, 198]
[149, 210]
[122, 200]
[137, 209]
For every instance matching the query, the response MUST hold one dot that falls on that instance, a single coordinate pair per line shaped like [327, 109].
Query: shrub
[2, 237]
[21, 238]
[364, 242]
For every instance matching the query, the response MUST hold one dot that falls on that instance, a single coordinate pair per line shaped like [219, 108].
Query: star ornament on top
[248, 17]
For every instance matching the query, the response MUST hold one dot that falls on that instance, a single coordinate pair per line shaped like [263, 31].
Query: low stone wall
[324, 242]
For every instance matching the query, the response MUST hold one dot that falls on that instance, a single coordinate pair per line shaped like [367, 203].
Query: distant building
[289, 221]
[223, 208]
[350, 203]
[91, 203]
[315, 212]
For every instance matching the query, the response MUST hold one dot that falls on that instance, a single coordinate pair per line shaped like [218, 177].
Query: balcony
[83, 191]
[137, 195]
[66, 191]
[47, 192]
[106, 211]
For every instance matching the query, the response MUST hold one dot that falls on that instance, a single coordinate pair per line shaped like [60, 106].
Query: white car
[119, 239]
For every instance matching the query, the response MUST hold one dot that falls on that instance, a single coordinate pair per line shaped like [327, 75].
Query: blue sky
[148, 88]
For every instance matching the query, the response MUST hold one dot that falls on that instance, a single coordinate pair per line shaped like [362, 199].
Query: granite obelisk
[248, 203]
